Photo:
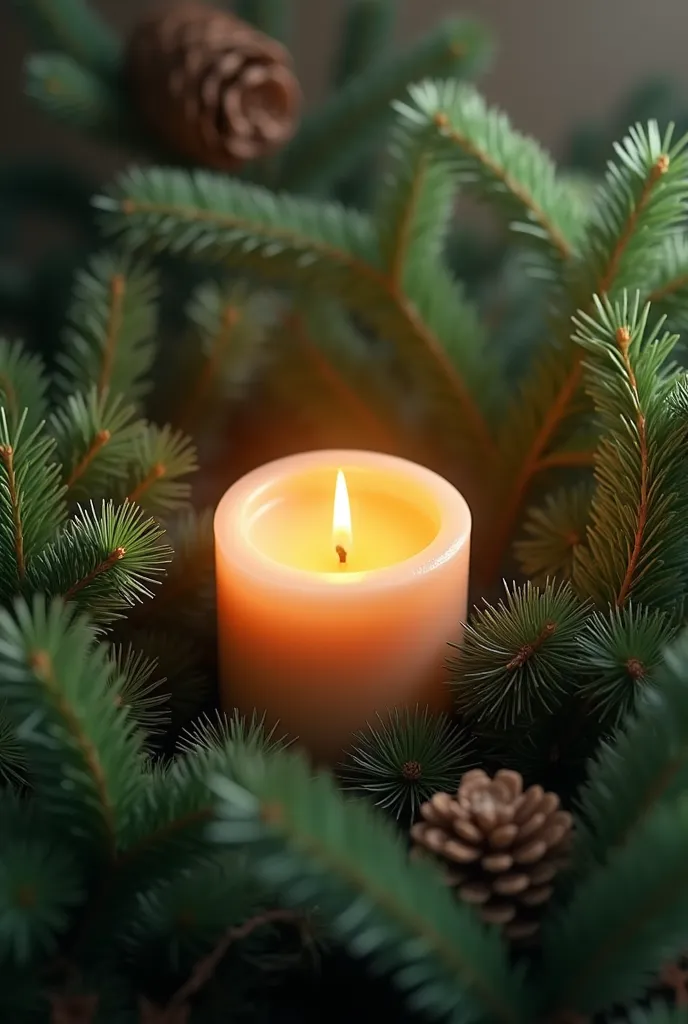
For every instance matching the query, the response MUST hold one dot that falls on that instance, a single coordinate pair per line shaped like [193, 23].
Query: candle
[341, 576]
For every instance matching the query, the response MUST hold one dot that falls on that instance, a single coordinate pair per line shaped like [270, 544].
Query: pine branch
[23, 385]
[110, 341]
[84, 753]
[620, 653]
[141, 689]
[232, 325]
[625, 921]
[493, 160]
[95, 437]
[643, 198]
[644, 766]
[305, 839]
[300, 242]
[667, 288]
[105, 561]
[161, 457]
[639, 466]
[31, 502]
[367, 27]
[42, 885]
[554, 532]
[13, 764]
[516, 659]
[183, 656]
[333, 138]
[187, 594]
[73, 27]
[69, 92]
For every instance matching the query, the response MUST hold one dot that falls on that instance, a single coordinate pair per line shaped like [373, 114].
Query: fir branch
[644, 766]
[621, 650]
[58, 688]
[332, 139]
[69, 92]
[516, 658]
[639, 467]
[495, 161]
[232, 326]
[161, 457]
[625, 920]
[23, 385]
[31, 501]
[105, 560]
[73, 27]
[403, 759]
[643, 198]
[109, 343]
[188, 590]
[667, 288]
[41, 885]
[368, 25]
[13, 763]
[95, 436]
[226, 731]
[299, 242]
[305, 839]
[554, 531]
[140, 689]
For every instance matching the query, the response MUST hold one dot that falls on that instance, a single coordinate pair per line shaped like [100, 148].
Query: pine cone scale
[501, 846]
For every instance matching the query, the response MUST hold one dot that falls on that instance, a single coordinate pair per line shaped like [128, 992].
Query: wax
[330, 611]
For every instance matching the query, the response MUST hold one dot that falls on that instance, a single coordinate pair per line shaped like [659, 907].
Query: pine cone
[212, 87]
[502, 846]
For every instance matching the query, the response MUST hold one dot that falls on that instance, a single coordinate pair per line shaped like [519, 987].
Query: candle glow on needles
[341, 519]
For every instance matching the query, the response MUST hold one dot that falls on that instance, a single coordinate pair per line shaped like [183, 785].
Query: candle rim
[443, 546]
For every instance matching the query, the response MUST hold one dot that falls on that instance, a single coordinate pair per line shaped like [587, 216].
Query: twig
[98, 442]
[228, 321]
[205, 968]
[156, 472]
[528, 650]
[623, 338]
[117, 290]
[115, 556]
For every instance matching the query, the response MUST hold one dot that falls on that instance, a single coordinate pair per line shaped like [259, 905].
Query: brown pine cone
[212, 87]
[501, 846]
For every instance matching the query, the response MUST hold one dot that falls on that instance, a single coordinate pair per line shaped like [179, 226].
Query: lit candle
[341, 576]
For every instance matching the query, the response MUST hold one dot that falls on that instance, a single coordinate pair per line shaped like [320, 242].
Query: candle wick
[342, 553]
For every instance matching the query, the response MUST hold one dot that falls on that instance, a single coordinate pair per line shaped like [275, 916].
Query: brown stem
[228, 321]
[375, 277]
[42, 665]
[156, 472]
[7, 457]
[114, 325]
[623, 338]
[115, 556]
[559, 408]
[528, 650]
[558, 240]
[98, 442]
[205, 968]
[404, 231]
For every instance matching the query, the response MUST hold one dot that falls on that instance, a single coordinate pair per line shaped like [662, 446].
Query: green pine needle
[223, 730]
[554, 531]
[109, 343]
[621, 650]
[182, 661]
[141, 689]
[161, 458]
[32, 505]
[23, 385]
[106, 560]
[518, 660]
[40, 887]
[317, 848]
[13, 762]
[95, 435]
[403, 759]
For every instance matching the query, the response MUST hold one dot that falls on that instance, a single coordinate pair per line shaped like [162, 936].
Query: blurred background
[557, 63]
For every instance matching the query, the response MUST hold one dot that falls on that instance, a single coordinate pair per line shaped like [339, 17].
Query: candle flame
[341, 518]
